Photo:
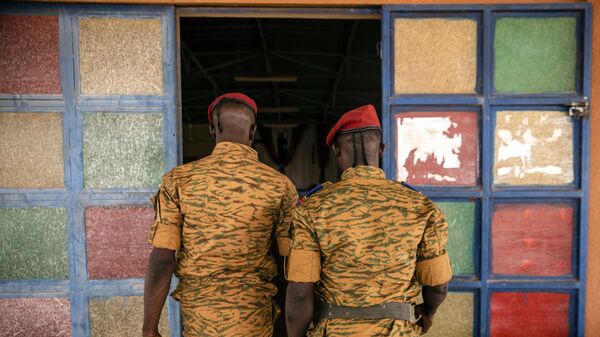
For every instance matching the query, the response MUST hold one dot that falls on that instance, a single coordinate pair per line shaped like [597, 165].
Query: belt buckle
[411, 314]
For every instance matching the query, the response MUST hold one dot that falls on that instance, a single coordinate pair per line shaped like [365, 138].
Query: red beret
[359, 118]
[232, 96]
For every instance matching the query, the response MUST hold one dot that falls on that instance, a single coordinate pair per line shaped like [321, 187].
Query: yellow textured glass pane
[533, 148]
[31, 150]
[454, 317]
[121, 316]
[435, 56]
[120, 56]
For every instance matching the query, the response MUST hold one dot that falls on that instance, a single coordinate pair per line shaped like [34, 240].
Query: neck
[245, 140]
[374, 162]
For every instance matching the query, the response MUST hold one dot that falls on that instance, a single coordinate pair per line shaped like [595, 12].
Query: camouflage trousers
[227, 309]
[364, 328]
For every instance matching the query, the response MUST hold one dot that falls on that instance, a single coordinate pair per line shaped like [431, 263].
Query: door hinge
[379, 47]
[579, 110]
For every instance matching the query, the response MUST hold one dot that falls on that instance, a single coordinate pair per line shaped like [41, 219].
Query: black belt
[393, 310]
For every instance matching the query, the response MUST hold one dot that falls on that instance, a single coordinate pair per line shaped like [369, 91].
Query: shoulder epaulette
[313, 191]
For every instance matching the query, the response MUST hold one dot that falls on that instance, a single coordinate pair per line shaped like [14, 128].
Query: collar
[233, 149]
[363, 171]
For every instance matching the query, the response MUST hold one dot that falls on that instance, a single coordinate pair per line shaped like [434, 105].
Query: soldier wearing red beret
[215, 218]
[366, 246]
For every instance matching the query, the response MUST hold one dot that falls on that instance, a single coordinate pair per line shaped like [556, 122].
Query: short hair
[371, 136]
[226, 105]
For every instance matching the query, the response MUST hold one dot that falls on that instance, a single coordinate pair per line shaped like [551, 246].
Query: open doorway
[303, 73]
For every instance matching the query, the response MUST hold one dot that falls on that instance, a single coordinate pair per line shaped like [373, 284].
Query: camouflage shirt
[220, 213]
[367, 241]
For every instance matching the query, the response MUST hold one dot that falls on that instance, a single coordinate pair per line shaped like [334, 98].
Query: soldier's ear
[336, 149]
[381, 149]
[211, 129]
[252, 132]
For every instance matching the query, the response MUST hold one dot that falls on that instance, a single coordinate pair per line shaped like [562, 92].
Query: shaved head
[233, 121]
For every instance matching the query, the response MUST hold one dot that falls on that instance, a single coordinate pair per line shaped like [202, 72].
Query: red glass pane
[437, 148]
[35, 317]
[529, 315]
[117, 241]
[532, 239]
[29, 49]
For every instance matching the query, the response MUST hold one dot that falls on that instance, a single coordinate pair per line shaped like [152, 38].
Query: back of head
[356, 138]
[352, 146]
[234, 117]
[234, 121]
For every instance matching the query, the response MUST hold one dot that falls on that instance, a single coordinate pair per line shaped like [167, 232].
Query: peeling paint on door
[533, 148]
[437, 148]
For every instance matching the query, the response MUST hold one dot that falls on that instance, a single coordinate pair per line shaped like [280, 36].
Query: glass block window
[33, 243]
[119, 56]
[478, 100]
[35, 317]
[461, 225]
[435, 55]
[533, 148]
[532, 239]
[454, 317]
[437, 148]
[535, 314]
[121, 316]
[31, 149]
[117, 244]
[535, 54]
[123, 150]
[30, 62]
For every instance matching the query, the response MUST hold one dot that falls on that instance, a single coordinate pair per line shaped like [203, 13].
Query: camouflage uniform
[220, 214]
[368, 241]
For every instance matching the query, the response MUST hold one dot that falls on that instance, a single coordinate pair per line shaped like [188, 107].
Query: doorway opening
[303, 74]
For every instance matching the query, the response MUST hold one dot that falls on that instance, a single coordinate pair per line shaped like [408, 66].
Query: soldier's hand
[425, 317]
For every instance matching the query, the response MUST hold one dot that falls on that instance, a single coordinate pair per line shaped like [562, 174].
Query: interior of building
[303, 74]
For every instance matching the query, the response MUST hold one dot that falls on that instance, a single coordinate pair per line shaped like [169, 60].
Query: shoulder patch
[313, 191]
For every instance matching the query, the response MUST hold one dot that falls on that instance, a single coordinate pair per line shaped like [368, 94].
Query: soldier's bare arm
[432, 298]
[161, 265]
[299, 304]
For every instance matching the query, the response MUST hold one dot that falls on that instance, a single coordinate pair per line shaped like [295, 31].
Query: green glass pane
[461, 223]
[535, 55]
[454, 318]
[123, 150]
[33, 243]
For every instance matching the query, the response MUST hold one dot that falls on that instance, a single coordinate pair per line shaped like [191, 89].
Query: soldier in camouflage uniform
[366, 246]
[215, 219]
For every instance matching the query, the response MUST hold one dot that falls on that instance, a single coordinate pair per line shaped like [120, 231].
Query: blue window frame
[74, 196]
[483, 283]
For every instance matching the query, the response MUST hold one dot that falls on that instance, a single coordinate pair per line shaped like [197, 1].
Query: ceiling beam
[203, 70]
[232, 62]
[343, 67]
[302, 62]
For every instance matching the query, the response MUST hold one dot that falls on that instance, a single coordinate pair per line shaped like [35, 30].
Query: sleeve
[304, 262]
[284, 220]
[433, 262]
[166, 231]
